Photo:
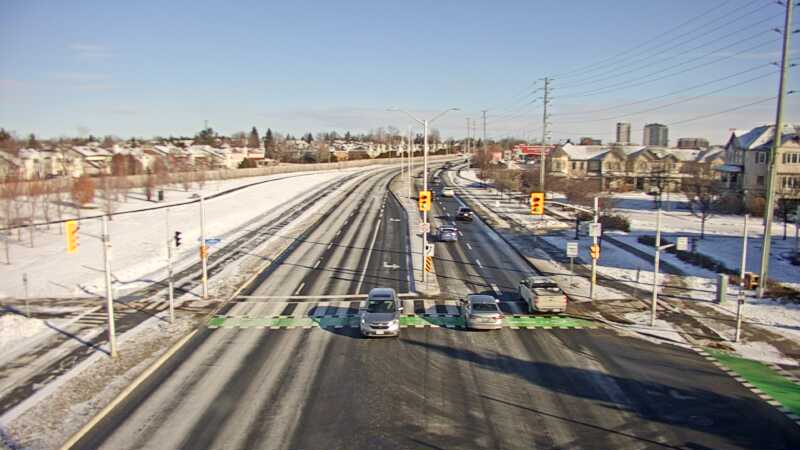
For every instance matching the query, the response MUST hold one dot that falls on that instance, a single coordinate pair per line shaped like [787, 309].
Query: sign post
[572, 252]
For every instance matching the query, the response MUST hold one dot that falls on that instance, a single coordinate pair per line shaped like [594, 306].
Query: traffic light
[177, 239]
[537, 203]
[595, 251]
[424, 200]
[72, 227]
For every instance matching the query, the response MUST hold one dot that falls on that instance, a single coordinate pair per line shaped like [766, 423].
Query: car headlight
[363, 322]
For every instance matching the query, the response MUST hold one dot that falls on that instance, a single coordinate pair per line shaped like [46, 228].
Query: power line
[686, 100]
[658, 97]
[643, 45]
[644, 79]
[638, 64]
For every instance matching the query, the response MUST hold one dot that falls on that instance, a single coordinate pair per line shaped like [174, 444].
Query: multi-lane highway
[256, 385]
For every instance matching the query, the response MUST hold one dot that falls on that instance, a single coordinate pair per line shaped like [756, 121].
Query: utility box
[722, 288]
[161, 195]
[751, 280]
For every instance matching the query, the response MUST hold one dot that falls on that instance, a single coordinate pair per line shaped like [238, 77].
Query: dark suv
[465, 214]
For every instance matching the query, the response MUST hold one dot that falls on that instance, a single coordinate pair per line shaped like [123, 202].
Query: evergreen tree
[253, 141]
[347, 136]
[269, 145]
[308, 138]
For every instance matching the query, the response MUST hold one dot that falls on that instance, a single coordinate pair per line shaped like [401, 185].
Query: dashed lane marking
[469, 246]
[478, 262]
[299, 288]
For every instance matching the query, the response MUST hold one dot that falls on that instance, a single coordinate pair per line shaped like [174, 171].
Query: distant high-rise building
[590, 141]
[623, 133]
[656, 135]
[693, 143]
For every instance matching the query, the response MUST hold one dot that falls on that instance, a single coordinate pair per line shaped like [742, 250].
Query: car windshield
[465, 210]
[484, 307]
[381, 306]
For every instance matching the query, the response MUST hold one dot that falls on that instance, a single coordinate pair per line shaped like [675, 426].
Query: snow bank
[15, 328]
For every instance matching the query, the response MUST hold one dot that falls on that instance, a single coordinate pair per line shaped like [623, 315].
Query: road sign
[572, 249]
[537, 203]
[424, 200]
[595, 251]
[595, 229]
[72, 229]
[425, 227]
[429, 264]
[213, 241]
[429, 250]
[682, 244]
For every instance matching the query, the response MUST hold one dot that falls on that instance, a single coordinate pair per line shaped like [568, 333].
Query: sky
[164, 68]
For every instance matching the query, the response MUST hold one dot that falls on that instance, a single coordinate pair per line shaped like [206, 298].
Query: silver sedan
[481, 312]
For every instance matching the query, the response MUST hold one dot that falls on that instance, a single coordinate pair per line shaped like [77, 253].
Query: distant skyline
[163, 68]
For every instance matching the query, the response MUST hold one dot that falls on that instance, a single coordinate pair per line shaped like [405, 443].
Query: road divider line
[300, 288]
[478, 262]
[316, 264]
[127, 391]
[369, 254]
[469, 246]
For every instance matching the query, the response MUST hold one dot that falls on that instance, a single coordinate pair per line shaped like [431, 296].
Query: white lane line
[460, 233]
[369, 254]
[469, 246]
[339, 232]
[316, 264]
[478, 261]
[329, 246]
[299, 288]
[496, 289]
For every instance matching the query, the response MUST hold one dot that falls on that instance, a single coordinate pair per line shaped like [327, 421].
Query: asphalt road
[433, 388]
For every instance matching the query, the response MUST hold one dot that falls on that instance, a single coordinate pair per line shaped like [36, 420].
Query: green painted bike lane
[545, 322]
[783, 390]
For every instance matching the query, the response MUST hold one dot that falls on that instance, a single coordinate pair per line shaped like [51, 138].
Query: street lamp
[424, 123]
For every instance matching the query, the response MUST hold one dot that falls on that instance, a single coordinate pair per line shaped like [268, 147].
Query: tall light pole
[773, 154]
[425, 225]
[544, 134]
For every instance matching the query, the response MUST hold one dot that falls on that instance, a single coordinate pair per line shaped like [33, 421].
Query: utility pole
[112, 340]
[411, 158]
[169, 270]
[545, 136]
[425, 213]
[593, 286]
[203, 248]
[777, 142]
[742, 270]
[466, 140]
[484, 130]
[27, 304]
[655, 269]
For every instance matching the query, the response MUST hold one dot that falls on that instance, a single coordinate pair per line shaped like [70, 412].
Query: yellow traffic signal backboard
[537, 203]
[594, 250]
[72, 227]
[424, 200]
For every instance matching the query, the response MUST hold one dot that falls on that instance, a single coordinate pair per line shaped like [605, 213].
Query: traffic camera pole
[410, 159]
[742, 269]
[203, 249]
[593, 286]
[169, 271]
[109, 297]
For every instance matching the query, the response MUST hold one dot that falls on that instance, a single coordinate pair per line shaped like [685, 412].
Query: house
[746, 162]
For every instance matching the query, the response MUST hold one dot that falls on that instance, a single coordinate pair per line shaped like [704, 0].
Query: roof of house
[759, 138]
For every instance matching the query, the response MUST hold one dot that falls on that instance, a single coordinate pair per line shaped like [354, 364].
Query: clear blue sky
[149, 68]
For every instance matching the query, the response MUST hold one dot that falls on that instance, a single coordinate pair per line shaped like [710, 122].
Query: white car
[448, 192]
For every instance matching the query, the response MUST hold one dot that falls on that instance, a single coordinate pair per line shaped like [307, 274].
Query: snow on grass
[15, 328]
[138, 252]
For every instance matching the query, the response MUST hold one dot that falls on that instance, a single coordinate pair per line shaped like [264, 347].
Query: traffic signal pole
[593, 285]
[169, 271]
[425, 213]
[109, 298]
[203, 249]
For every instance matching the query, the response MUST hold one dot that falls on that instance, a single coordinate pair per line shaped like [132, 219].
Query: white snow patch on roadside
[15, 328]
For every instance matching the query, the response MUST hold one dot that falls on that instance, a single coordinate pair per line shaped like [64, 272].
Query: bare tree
[82, 192]
[702, 192]
[108, 195]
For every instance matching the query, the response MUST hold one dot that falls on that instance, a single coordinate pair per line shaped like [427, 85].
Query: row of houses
[740, 166]
[95, 160]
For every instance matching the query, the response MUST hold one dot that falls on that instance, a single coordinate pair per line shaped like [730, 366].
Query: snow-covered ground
[138, 253]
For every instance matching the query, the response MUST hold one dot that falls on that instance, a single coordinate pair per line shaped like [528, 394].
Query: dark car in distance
[465, 214]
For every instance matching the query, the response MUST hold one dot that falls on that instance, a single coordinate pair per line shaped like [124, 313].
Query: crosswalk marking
[416, 314]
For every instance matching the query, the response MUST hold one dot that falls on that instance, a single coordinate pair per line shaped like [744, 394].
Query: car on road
[481, 312]
[381, 315]
[542, 294]
[448, 233]
[448, 192]
[465, 214]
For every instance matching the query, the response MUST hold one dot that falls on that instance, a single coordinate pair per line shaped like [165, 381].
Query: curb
[749, 386]
[127, 391]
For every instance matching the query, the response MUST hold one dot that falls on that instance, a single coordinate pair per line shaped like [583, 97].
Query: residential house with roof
[747, 156]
